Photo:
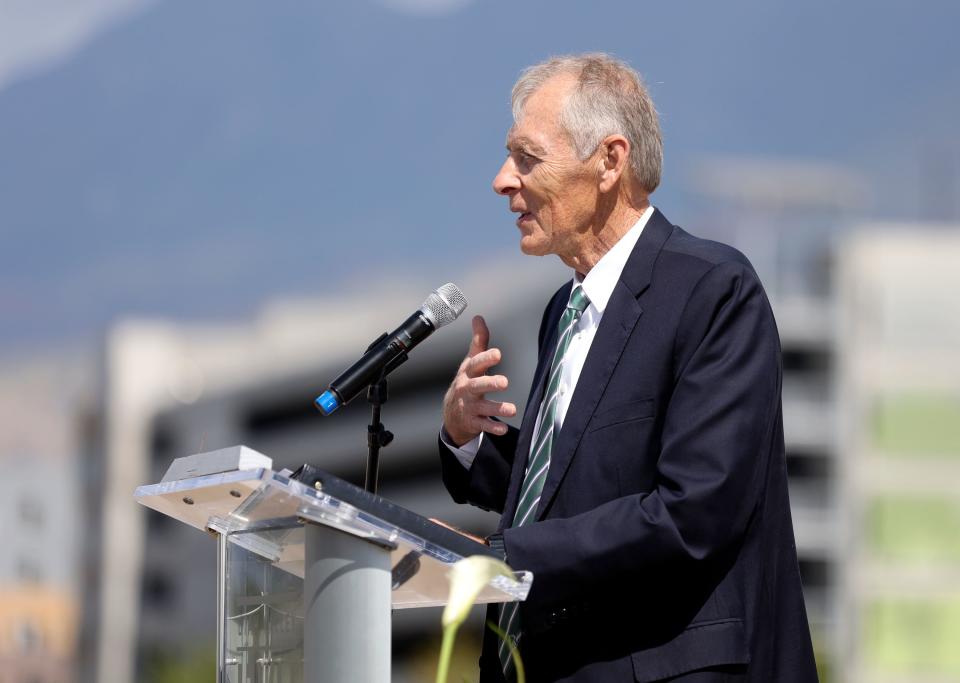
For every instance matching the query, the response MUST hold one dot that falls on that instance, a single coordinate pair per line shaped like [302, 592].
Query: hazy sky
[195, 159]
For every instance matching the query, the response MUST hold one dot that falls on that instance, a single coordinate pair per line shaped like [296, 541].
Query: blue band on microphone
[327, 402]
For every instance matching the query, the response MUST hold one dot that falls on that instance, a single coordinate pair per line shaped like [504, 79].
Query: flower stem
[514, 652]
[446, 651]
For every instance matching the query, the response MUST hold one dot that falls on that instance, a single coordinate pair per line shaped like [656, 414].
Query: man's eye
[526, 158]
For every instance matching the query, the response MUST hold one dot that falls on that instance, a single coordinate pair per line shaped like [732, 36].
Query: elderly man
[646, 486]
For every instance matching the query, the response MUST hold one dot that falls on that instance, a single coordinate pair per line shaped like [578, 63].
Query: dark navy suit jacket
[663, 543]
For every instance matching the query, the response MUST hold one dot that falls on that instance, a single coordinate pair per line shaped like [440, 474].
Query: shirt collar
[602, 278]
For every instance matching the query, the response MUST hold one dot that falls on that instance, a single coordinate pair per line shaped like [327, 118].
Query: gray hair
[608, 99]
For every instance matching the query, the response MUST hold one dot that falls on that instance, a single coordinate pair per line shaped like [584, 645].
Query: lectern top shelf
[264, 512]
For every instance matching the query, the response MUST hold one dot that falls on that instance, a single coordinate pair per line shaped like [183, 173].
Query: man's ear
[614, 156]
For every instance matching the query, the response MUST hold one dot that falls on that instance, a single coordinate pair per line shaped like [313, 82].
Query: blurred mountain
[198, 158]
[38, 35]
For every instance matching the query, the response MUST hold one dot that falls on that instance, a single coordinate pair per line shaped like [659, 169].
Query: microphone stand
[377, 435]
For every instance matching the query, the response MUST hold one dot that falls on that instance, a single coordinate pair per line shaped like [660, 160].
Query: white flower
[467, 578]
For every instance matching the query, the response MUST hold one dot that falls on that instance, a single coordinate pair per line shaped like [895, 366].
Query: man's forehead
[538, 124]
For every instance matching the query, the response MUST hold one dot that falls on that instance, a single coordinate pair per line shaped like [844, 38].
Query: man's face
[554, 192]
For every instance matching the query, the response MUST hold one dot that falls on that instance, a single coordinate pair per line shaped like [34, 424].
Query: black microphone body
[390, 350]
[385, 354]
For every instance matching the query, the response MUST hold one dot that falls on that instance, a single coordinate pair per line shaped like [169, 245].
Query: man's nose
[507, 180]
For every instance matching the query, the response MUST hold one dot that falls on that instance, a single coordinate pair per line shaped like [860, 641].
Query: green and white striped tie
[538, 464]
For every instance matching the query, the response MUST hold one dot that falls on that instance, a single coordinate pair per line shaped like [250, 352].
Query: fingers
[466, 413]
[481, 336]
[491, 426]
[474, 366]
[483, 411]
[490, 408]
[478, 386]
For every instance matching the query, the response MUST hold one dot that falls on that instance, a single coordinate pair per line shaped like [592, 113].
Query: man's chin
[533, 247]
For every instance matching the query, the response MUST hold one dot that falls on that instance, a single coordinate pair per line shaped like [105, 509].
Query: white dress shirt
[598, 285]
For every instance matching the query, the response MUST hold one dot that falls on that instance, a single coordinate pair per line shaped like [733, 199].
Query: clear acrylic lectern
[308, 573]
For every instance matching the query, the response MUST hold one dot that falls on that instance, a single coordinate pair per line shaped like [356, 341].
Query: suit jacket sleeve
[717, 437]
[485, 483]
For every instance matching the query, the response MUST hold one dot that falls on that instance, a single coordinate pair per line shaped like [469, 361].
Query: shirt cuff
[465, 453]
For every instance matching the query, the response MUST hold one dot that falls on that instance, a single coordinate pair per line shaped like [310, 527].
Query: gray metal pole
[346, 594]
[222, 550]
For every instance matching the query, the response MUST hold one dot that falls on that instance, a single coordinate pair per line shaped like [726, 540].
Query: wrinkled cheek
[544, 221]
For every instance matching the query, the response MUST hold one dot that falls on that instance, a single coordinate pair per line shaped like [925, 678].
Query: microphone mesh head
[444, 305]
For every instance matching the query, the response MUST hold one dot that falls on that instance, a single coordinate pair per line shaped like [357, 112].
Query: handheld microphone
[443, 306]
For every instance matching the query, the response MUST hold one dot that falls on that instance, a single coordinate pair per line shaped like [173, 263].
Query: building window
[28, 571]
[31, 513]
[28, 638]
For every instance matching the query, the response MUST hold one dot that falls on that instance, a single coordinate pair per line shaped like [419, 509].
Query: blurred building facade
[898, 600]
[38, 634]
[40, 395]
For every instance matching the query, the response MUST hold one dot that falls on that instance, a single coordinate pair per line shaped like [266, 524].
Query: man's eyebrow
[522, 141]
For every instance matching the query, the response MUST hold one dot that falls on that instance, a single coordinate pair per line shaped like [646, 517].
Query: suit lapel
[619, 320]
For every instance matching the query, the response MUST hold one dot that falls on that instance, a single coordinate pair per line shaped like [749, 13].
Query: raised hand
[466, 410]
